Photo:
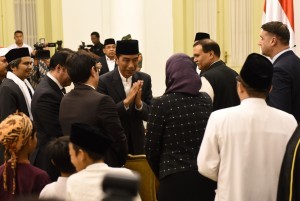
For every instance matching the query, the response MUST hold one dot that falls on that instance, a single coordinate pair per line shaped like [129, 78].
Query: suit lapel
[118, 85]
[53, 85]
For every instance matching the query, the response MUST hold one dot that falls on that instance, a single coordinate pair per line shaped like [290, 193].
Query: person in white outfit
[19, 37]
[87, 149]
[243, 146]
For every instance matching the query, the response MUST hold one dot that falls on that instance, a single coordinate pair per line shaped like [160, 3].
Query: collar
[90, 86]
[54, 80]
[108, 59]
[279, 54]
[123, 78]
[215, 62]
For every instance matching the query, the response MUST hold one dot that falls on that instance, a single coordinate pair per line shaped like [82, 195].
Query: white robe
[55, 190]
[87, 184]
[243, 148]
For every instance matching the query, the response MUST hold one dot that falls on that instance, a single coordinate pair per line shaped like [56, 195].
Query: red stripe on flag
[288, 8]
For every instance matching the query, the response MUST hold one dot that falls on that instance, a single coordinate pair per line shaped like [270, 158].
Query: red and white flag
[283, 11]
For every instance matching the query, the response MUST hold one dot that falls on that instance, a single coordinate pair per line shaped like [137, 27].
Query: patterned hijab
[15, 131]
[181, 75]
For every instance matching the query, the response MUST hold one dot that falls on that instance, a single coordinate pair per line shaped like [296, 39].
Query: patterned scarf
[15, 131]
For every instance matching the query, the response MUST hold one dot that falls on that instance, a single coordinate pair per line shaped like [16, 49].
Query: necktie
[30, 93]
[63, 90]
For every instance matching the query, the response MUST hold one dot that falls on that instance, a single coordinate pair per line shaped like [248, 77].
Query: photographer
[41, 57]
[97, 48]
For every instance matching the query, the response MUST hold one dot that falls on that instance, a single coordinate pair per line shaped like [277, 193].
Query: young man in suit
[85, 105]
[108, 61]
[131, 92]
[285, 93]
[15, 91]
[45, 109]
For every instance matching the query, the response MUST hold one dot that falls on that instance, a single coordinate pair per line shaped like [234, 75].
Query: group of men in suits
[119, 108]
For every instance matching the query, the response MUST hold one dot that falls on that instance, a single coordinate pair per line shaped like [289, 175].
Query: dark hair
[254, 92]
[94, 156]
[60, 57]
[209, 45]
[96, 34]
[58, 150]
[18, 31]
[14, 63]
[79, 66]
[279, 29]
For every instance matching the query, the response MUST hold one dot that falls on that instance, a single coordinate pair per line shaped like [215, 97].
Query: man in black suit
[218, 80]
[108, 61]
[45, 110]
[285, 93]
[199, 36]
[131, 92]
[15, 90]
[85, 105]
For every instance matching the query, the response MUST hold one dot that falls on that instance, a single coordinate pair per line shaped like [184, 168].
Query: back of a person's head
[60, 57]
[209, 45]
[79, 66]
[58, 150]
[279, 29]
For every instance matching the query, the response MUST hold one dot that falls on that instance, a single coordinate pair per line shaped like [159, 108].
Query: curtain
[25, 20]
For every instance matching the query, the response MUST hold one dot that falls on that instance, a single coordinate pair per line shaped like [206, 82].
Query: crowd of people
[214, 134]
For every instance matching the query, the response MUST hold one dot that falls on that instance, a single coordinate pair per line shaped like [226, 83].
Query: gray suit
[85, 105]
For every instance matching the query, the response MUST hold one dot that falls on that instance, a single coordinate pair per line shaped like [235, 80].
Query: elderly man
[243, 146]
[131, 92]
[218, 80]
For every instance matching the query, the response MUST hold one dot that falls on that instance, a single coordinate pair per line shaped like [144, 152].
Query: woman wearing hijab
[17, 176]
[175, 130]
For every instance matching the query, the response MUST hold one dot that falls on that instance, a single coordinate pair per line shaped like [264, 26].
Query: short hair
[209, 45]
[253, 92]
[279, 29]
[96, 34]
[14, 63]
[58, 150]
[18, 31]
[94, 156]
[79, 66]
[60, 57]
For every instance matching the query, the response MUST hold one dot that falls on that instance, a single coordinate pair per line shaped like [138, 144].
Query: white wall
[297, 26]
[150, 22]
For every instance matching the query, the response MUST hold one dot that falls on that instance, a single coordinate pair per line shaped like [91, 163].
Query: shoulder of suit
[142, 74]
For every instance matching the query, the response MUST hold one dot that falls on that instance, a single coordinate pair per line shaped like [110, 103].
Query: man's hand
[138, 98]
[132, 94]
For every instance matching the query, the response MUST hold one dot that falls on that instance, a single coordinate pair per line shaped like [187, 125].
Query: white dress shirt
[55, 190]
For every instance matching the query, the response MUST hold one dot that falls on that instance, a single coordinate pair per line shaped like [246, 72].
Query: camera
[45, 54]
[84, 47]
[120, 187]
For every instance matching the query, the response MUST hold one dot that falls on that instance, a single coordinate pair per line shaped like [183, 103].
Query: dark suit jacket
[85, 105]
[11, 99]
[290, 170]
[285, 94]
[45, 111]
[223, 81]
[104, 68]
[131, 119]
